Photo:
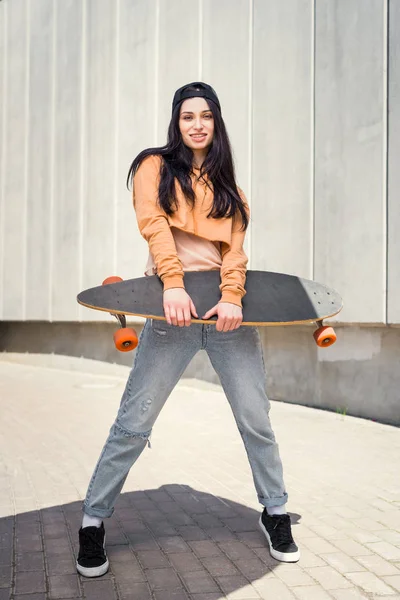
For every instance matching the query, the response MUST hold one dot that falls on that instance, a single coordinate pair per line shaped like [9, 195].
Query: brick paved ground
[186, 524]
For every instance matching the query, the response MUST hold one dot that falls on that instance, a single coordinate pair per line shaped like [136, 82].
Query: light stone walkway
[186, 524]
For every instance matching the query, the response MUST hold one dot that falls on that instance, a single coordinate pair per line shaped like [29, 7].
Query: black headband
[202, 91]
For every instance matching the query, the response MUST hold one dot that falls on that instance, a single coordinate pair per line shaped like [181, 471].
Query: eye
[187, 118]
[208, 116]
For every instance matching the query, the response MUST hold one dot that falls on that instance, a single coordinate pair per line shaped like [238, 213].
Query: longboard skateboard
[271, 299]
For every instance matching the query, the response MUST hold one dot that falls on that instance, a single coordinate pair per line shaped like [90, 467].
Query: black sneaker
[277, 530]
[92, 559]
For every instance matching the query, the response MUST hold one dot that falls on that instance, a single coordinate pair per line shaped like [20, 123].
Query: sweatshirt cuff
[232, 298]
[173, 281]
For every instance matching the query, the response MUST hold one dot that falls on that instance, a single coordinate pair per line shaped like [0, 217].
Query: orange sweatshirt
[155, 226]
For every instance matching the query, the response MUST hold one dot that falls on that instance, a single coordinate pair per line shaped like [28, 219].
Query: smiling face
[196, 124]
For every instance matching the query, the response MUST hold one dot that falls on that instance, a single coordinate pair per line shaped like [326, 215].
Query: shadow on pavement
[170, 543]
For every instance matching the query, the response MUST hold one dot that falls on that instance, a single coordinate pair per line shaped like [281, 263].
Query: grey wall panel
[282, 137]
[136, 122]
[3, 108]
[349, 145]
[16, 135]
[40, 160]
[67, 175]
[393, 164]
[99, 205]
[178, 54]
[225, 66]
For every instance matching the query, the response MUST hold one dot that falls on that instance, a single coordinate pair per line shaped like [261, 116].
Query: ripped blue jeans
[162, 356]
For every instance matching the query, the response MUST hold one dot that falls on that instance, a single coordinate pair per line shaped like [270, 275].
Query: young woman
[194, 217]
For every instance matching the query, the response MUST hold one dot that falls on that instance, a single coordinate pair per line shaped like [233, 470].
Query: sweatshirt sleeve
[153, 223]
[234, 263]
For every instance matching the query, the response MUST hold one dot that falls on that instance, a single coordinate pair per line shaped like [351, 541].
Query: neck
[199, 157]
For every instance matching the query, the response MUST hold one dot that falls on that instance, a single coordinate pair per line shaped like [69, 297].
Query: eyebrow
[188, 112]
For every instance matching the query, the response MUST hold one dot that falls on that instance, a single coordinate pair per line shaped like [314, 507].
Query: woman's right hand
[178, 307]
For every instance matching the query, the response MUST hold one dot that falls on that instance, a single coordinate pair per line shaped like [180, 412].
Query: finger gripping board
[271, 298]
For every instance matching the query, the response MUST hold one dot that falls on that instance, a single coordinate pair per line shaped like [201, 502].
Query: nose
[198, 125]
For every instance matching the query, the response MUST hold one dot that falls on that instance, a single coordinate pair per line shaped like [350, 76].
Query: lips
[198, 137]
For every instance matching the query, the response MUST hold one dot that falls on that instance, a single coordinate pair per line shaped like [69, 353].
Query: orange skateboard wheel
[125, 339]
[112, 279]
[324, 336]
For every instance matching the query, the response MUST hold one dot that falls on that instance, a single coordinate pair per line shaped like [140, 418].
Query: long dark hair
[177, 164]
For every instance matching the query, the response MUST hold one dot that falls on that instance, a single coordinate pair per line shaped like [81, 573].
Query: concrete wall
[310, 96]
[358, 376]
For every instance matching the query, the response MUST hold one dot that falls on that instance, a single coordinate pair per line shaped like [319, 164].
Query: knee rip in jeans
[134, 434]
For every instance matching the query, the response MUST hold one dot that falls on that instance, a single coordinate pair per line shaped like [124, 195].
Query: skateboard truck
[125, 339]
[324, 336]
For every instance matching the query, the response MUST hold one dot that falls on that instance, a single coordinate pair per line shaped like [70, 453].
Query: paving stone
[5, 556]
[162, 528]
[205, 548]
[207, 521]
[151, 559]
[134, 526]
[236, 550]
[310, 592]
[126, 572]
[253, 539]
[394, 581]
[221, 534]
[133, 591]
[384, 549]
[63, 586]
[57, 546]
[163, 579]
[169, 507]
[252, 568]
[28, 582]
[31, 561]
[191, 532]
[271, 588]
[99, 590]
[179, 519]
[30, 543]
[294, 577]
[319, 545]
[171, 595]
[219, 566]
[185, 562]
[142, 541]
[328, 578]
[199, 582]
[120, 554]
[370, 583]
[173, 544]
[351, 594]
[237, 588]
[352, 548]
[343, 563]
[378, 565]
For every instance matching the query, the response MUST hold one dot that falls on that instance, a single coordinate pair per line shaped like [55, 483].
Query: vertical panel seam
[26, 166]
[156, 69]
[200, 48]
[3, 156]
[250, 126]
[385, 155]
[312, 140]
[52, 160]
[116, 136]
[82, 151]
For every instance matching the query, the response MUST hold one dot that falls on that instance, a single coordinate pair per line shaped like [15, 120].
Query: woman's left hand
[230, 316]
